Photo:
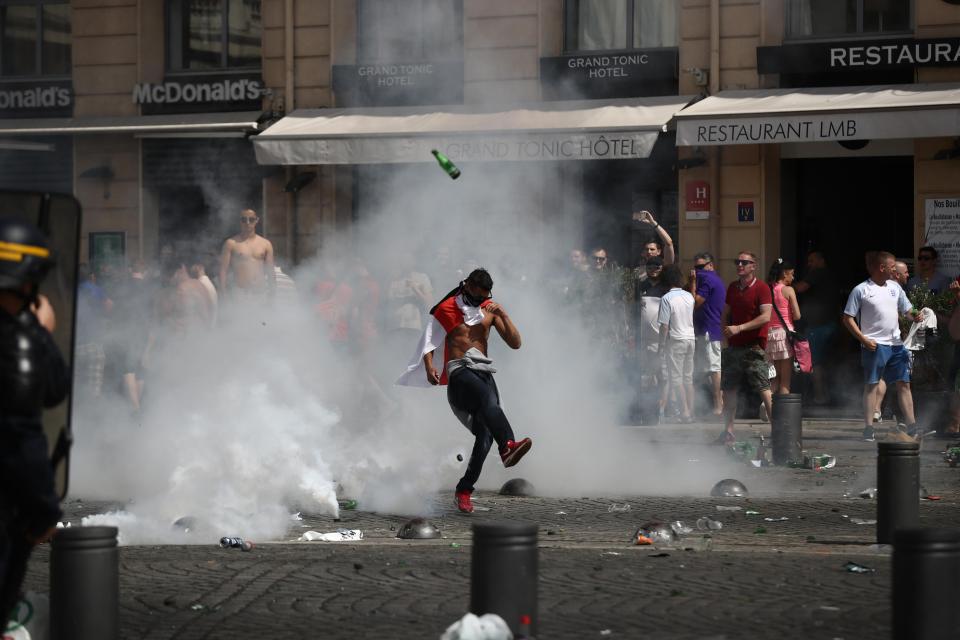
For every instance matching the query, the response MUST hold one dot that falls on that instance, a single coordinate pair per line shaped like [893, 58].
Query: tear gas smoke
[264, 416]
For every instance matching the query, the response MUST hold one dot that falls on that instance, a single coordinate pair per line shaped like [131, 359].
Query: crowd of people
[127, 317]
[689, 344]
[683, 333]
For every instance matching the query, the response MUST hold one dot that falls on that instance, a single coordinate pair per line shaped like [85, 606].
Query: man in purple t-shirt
[709, 292]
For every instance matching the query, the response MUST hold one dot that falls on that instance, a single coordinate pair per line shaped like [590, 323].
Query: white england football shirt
[877, 309]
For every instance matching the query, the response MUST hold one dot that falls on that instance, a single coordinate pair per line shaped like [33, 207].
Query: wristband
[656, 225]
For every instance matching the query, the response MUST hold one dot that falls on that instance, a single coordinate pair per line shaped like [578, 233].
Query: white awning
[581, 130]
[235, 122]
[810, 115]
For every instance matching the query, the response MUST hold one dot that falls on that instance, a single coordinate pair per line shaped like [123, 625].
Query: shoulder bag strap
[773, 299]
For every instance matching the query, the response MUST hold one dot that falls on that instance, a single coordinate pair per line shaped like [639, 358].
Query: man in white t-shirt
[872, 316]
[677, 340]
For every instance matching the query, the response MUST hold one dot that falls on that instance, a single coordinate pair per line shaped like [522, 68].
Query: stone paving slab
[785, 582]
[415, 590]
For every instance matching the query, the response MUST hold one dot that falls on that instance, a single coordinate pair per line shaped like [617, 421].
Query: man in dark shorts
[460, 325]
[743, 363]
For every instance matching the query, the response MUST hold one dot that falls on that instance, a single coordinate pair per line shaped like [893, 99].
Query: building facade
[156, 112]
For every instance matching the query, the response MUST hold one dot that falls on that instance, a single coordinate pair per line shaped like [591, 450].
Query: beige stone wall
[934, 178]
[501, 51]
[318, 36]
[739, 39]
[104, 56]
[743, 170]
[111, 205]
[105, 68]
[936, 18]
[312, 51]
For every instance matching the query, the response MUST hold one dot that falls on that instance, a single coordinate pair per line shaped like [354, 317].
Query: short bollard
[84, 584]
[898, 488]
[786, 428]
[503, 574]
[926, 584]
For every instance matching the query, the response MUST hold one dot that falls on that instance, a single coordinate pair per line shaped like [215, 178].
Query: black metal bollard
[503, 574]
[786, 428]
[84, 584]
[898, 488]
[926, 584]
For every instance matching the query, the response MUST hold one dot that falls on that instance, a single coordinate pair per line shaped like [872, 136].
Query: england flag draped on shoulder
[448, 314]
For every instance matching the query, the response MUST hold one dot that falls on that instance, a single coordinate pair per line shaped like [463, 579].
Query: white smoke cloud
[263, 417]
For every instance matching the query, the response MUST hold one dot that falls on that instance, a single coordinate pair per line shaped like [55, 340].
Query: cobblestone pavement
[752, 579]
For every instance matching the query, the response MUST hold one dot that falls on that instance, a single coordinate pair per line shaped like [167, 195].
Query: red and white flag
[446, 316]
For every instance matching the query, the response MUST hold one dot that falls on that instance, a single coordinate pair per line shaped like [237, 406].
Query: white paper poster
[942, 231]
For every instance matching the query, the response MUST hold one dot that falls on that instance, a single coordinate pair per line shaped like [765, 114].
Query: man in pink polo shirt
[743, 362]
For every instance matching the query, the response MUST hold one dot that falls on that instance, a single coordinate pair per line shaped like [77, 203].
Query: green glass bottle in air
[446, 164]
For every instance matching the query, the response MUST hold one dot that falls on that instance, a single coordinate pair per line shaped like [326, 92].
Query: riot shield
[58, 216]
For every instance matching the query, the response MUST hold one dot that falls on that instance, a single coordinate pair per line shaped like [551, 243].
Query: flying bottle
[446, 164]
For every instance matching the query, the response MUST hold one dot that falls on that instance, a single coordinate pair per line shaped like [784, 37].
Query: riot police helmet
[25, 255]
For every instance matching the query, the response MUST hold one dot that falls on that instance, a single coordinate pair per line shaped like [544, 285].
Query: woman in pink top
[779, 350]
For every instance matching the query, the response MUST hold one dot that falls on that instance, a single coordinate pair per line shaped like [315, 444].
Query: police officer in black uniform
[33, 375]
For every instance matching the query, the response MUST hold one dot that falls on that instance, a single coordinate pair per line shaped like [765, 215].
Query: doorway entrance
[845, 207]
[200, 186]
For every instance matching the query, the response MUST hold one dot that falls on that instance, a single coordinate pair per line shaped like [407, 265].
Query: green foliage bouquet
[942, 303]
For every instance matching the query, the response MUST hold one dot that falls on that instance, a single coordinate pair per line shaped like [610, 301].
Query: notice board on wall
[942, 231]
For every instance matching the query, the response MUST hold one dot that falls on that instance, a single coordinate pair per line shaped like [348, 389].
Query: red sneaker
[463, 502]
[513, 451]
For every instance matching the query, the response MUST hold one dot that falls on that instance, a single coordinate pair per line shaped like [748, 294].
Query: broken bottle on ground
[709, 524]
[655, 533]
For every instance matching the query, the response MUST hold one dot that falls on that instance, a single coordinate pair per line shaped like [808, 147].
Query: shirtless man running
[249, 257]
[466, 315]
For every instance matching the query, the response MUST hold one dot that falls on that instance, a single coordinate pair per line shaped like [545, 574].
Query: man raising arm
[663, 246]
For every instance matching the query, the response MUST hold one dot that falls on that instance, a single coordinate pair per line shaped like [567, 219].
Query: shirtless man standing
[466, 315]
[250, 258]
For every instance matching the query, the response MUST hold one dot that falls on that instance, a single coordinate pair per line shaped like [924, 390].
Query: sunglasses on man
[700, 267]
[743, 263]
[600, 258]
